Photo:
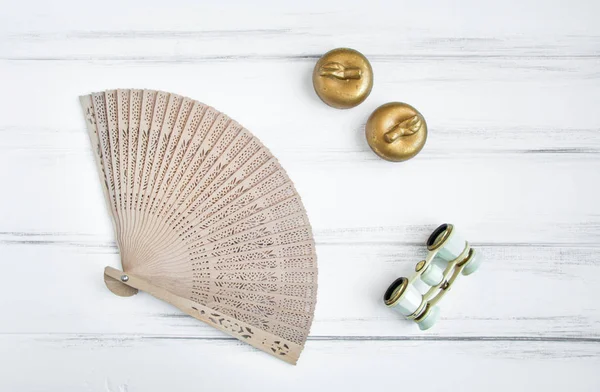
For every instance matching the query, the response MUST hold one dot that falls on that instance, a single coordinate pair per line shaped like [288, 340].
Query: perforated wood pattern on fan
[205, 217]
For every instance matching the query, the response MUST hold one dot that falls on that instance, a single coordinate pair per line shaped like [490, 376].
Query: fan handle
[265, 341]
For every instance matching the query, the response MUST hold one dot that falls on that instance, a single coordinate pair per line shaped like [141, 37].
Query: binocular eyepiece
[449, 255]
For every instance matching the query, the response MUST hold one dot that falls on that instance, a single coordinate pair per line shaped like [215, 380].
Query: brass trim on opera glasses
[343, 78]
[396, 131]
[449, 256]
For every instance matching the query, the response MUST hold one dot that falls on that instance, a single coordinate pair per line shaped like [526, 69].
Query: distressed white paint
[510, 92]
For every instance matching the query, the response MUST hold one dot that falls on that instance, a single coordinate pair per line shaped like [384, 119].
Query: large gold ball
[343, 78]
[396, 131]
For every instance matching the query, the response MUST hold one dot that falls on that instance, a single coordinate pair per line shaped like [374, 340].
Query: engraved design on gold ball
[396, 131]
[343, 78]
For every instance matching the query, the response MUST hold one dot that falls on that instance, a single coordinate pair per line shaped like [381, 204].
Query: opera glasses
[449, 256]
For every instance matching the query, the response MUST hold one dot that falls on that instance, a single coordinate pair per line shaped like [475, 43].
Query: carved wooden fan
[205, 217]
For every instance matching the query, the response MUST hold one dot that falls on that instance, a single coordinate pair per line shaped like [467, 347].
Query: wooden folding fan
[205, 217]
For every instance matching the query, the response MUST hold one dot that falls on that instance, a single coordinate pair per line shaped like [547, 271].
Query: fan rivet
[124, 278]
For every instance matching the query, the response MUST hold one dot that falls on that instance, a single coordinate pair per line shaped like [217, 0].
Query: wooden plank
[519, 96]
[117, 364]
[217, 31]
[521, 291]
[506, 201]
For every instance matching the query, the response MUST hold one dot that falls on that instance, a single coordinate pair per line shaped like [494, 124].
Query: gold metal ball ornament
[396, 131]
[343, 78]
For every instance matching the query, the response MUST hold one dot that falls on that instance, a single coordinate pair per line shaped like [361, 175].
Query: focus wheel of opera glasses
[449, 256]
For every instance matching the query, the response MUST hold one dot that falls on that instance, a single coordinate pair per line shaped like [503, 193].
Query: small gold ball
[420, 265]
[396, 131]
[343, 78]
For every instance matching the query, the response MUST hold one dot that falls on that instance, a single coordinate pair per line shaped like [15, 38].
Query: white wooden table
[511, 94]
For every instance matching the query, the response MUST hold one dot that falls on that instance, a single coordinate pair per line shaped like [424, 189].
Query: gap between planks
[322, 338]
[307, 57]
[27, 238]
